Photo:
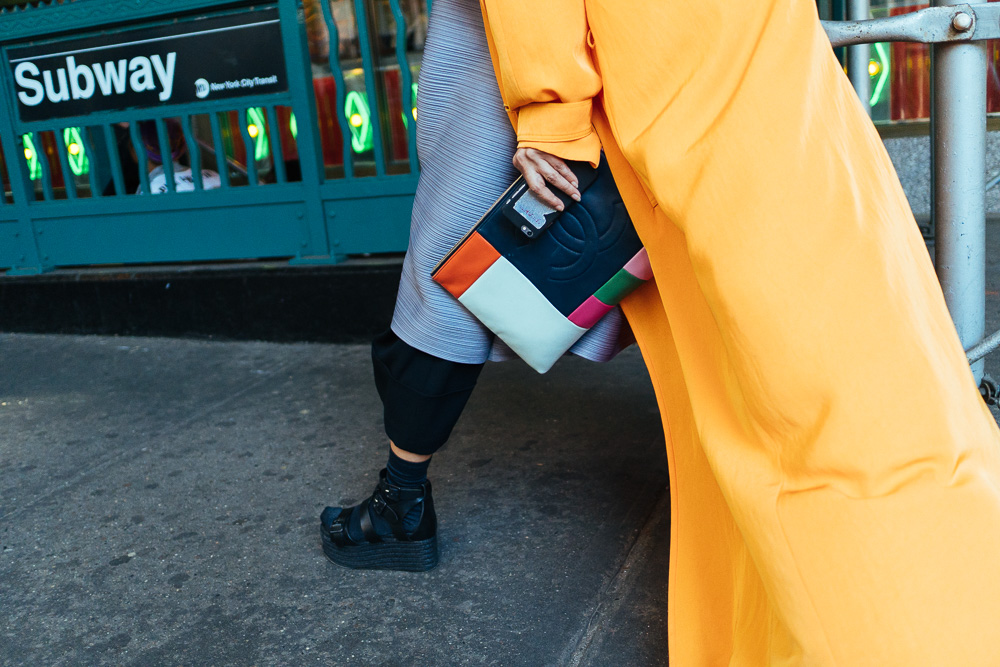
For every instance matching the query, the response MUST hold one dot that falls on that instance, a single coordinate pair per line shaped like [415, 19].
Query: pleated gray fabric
[465, 144]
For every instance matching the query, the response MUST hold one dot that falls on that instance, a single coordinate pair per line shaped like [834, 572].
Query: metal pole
[958, 89]
[859, 56]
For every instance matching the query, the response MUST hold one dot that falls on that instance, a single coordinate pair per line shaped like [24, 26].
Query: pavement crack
[614, 593]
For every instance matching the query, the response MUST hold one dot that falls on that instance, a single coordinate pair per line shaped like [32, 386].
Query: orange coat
[835, 477]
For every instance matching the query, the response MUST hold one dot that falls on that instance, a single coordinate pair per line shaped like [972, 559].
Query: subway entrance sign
[296, 143]
[220, 57]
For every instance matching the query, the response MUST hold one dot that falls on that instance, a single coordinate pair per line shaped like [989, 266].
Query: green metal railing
[314, 174]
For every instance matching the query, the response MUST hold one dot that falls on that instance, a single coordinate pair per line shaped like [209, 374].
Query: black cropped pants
[422, 395]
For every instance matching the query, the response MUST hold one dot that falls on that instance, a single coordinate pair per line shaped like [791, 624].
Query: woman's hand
[541, 169]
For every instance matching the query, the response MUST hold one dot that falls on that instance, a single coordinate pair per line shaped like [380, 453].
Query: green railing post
[341, 93]
[314, 242]
[371, 84]
[25, 259]
[111, 148]
[406, 85]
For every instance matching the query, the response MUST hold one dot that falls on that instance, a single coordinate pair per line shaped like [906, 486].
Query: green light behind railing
[359, 118]
[879, 69]
[257, 129]
[79, 163]
[413, 111]
[31, 156]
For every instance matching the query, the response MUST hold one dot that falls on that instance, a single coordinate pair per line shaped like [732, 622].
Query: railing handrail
[933, 25]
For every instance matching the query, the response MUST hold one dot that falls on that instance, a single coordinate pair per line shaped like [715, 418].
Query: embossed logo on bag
[583, 235]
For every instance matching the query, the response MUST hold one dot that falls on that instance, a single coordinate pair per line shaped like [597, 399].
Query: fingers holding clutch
[541, 169]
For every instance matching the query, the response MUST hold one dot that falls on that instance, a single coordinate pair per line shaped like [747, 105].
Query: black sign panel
[209, 58]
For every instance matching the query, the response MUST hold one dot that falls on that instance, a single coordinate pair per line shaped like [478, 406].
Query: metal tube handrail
[933, 25]
[993, 182]
[983, 348]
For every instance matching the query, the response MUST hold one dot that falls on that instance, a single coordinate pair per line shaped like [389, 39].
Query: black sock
[401, 472]
[398, 472]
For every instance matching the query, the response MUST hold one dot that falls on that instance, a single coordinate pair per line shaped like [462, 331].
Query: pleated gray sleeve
[465, 144]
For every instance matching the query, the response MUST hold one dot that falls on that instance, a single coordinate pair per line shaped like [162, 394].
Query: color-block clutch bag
[540, 278]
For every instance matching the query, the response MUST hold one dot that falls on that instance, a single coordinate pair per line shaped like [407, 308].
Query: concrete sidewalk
[159, 504]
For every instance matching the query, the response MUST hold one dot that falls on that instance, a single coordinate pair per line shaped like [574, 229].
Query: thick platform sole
[389, 555]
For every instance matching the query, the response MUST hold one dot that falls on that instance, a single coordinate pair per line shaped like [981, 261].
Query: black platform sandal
[413, 551]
